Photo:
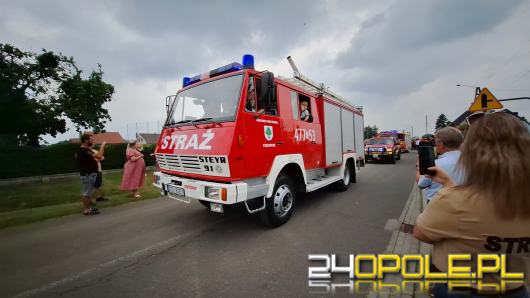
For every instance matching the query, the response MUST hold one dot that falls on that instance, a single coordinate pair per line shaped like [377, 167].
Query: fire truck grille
[191, 164]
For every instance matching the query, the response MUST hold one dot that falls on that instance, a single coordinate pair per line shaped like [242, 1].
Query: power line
[518, 79]
[505, 64]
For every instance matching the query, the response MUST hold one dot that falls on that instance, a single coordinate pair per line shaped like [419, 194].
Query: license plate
[375, 156]
[175, 190]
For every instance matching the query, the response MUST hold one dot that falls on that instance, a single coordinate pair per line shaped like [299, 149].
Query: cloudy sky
[400, 60]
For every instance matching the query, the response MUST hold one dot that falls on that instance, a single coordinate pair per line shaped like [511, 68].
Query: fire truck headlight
[389, 149]
[215, 193]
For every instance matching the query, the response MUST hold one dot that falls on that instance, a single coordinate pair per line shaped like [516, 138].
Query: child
[304, 115]
[99, 178]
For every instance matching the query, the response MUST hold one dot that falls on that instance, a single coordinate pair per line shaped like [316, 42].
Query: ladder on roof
[309, 85]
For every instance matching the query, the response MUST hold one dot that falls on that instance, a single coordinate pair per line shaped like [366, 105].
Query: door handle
[313, 142]
[279, 143]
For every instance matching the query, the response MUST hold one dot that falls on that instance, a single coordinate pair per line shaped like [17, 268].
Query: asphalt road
[164, 248]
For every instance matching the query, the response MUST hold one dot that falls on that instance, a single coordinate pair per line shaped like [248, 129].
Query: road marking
[160, 247]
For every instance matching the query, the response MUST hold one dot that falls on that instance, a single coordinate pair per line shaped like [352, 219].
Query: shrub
[58, 159]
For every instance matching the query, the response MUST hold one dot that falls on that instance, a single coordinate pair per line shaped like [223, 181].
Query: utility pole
[412, 131]
[426, 124]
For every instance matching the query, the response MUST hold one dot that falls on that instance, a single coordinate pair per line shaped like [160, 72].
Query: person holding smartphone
[447, 141]
[489, 213]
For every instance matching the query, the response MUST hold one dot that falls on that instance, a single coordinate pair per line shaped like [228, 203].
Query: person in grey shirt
[448, 141]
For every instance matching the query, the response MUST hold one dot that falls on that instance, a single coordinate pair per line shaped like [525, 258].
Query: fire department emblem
[268, 132]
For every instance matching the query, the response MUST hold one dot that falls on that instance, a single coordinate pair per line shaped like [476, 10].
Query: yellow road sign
[485, 101]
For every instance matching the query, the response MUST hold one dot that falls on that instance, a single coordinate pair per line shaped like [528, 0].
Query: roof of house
[150, 138]
[461, 118]
[109, 137]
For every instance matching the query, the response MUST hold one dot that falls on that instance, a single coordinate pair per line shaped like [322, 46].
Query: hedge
[58, 159]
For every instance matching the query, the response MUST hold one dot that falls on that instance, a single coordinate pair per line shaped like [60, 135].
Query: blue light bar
[226, 69]
[195, 79]
[248, 61]
[185, 82]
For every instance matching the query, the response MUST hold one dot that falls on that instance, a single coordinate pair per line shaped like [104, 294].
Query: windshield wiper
[178, 122]
[202, 119]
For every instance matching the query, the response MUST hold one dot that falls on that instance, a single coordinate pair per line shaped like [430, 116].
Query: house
[147, 138]
[462, 118]
[109, 137]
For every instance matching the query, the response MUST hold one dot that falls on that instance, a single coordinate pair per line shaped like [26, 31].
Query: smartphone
[426, 154]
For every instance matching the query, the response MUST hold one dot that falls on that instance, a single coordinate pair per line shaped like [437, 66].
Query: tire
[393, 159]
[344, 184]
[399, 156]
[280, 205]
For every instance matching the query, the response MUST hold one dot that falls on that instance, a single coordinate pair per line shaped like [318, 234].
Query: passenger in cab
[304, 112]
[490, 211]
[250, 105]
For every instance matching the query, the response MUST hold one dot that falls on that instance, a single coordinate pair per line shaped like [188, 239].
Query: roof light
[225, 69]
[248, 61]
[185, 82]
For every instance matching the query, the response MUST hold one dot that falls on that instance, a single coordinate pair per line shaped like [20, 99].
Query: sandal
[137, 196]
[91, 211]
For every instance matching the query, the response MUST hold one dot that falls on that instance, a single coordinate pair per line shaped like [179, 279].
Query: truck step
[320, 182]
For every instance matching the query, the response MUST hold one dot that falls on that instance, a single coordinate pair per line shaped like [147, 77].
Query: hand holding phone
[426, 160]
[441, 177]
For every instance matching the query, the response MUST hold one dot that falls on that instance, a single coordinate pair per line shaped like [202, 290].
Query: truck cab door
[263, 131]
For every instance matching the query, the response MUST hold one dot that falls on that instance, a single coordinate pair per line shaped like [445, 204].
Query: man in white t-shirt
[448, 141]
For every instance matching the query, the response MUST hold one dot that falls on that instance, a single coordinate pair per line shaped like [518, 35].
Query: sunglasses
[474, 117]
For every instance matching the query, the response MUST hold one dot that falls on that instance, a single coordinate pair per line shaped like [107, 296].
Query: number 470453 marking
[301, 134]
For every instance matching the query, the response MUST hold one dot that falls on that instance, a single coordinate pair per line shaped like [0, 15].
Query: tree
[39, 91]
[370, 131]
[441, 122]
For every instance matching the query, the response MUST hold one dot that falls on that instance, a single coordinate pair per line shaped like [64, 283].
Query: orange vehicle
[382, 148]
[403, 138]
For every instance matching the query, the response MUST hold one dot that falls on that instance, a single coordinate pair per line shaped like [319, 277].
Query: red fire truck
[235, 135]
[403, 138]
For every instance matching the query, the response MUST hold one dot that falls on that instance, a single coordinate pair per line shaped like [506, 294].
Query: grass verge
[31, 202]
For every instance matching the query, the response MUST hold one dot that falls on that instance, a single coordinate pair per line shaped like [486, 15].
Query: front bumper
[377, 155]
[196, 189]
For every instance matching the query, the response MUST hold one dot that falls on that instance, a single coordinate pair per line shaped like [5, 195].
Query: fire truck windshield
[380, 141]
[214, 101]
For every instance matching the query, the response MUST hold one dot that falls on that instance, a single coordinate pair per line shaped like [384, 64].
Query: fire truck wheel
[393, 159]
[344, 184]
[399, 156]
[279, 206]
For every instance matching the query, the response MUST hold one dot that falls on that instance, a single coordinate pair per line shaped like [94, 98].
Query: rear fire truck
[403, 138]
[236, 135]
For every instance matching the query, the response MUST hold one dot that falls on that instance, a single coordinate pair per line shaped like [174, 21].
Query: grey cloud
[399, 50]
[162, 38]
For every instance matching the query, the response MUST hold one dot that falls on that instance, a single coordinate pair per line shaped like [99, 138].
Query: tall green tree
[441, 122]
[39, 91]
[370, 131]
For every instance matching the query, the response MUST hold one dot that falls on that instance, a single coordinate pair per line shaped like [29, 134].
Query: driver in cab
[251, 101]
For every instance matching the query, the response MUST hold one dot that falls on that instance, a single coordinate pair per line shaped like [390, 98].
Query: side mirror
[267, 87]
